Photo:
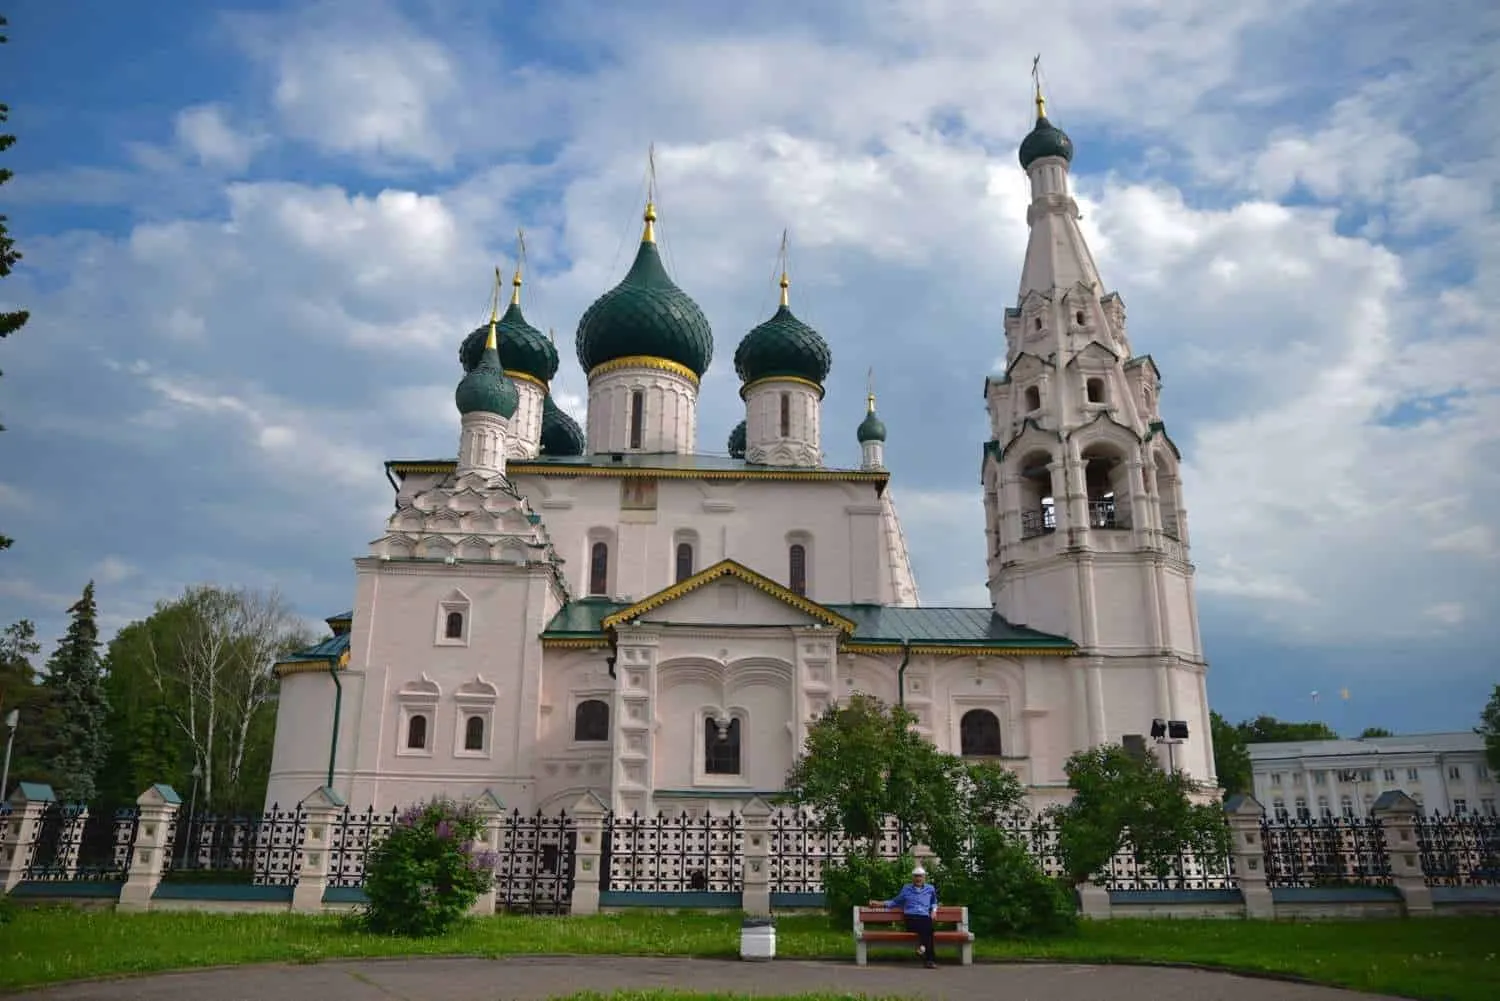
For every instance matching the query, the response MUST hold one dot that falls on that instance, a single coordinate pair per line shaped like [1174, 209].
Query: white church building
[613, 610]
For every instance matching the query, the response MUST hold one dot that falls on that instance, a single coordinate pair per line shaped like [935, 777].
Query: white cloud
[307, 330]
[204, 132]
[111, 570]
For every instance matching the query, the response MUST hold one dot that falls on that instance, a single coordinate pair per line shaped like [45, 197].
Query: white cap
[919, 871]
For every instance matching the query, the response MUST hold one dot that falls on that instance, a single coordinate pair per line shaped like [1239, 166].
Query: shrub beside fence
[50, 849]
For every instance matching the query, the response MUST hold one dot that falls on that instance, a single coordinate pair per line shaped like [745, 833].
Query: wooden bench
[891, 928]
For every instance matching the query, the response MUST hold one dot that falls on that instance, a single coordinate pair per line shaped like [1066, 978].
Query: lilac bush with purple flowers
[428, 872]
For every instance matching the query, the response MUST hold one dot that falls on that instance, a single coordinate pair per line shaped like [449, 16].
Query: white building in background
[1445, 773]
[625, 613]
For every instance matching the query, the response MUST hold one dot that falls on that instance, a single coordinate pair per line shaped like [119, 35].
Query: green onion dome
[1045, 139]
[524, 350]
[737, 441]
[561, 434]
[783, 347]
[872, 428]
[487, 389]
[646, 316]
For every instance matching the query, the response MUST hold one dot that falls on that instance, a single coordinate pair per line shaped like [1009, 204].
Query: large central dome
[646, 315]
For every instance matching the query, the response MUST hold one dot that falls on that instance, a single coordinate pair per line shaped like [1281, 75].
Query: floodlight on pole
[1170, 732]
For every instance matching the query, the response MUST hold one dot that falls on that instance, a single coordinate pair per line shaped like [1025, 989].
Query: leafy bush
[427, 873]
[859, 879]
[1121, 801]
[1005, 890]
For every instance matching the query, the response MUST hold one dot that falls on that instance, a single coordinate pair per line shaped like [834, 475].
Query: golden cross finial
[1036, 83]
[495, 297]
[515, 291]
[649, 236]
[785, 281]
[870, 388]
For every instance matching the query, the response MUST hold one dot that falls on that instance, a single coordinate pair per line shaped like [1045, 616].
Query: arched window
[684, 560]
[637, 417]
[721, 747]
[599, 568]
[453, 626]
[797, 568]
[1095, 389]
[979, 734]
[591, 720]
[786, 415]
[1033, 398]
[474, 734]
[416, 733]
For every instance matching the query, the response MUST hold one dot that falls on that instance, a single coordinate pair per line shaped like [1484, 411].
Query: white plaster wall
[670, 411]
[526, 424]
[753, 522]
[566, 768]
[764, 442]
[304, 733]
[756, 688]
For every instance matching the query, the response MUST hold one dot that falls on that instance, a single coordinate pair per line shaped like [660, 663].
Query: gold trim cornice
[317, 666]
[727, 568]
[527, 377]
[644, 361]
[574, 643]
[794, 379]
[946, 650]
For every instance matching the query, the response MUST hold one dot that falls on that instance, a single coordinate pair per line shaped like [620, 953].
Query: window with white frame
[1278, 809]
[979, 734]
[1346, 807]
[1366, 775]
[1301, 804]
[474, 720]
[721, 750]
[1460, 807]
[1320, 778]
[591, 721]
[1390, 774]
[1453, 772]
[1412, 775]
[1276, 778]
[417, 720]
[1324, 810]
[453, 619]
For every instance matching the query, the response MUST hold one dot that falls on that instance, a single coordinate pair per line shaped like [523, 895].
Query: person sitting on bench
[918, 901]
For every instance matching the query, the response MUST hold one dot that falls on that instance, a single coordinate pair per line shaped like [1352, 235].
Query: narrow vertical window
[797, 575]
[416, 733]
[599, 569]
[474, 734]
[453, 626]
[637, 417]
[721, 747]
[684, 560]
[786, 415]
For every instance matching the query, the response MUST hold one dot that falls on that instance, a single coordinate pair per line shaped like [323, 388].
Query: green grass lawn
[1443, 959]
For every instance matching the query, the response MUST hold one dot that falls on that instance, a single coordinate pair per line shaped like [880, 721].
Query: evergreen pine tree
[80, 707]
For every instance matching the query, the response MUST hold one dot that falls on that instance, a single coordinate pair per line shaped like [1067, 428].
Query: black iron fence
[703, 852]
[81, 845]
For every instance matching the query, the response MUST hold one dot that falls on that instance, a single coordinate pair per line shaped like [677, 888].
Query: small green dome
[737, 441]
[783, 346]
[1045, 139]
[872, 428]
[561, 434]
[646, 314]
[487, 389]
[523, 348]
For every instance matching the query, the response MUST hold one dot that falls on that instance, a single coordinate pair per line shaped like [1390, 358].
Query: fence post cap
[159, 794]
[32, 792]
[589, 805]
[323, 797]
[488, 802]
[757, 809]
[1395, 801]
[1242, 804]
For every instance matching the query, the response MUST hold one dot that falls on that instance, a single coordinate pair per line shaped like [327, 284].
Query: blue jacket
[913, 899]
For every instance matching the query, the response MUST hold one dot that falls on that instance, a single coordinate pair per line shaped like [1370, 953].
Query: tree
[1231, 756]
[80, 709]
[1489, 729]
[1120, 800]
[1270, 730]
[13, 320]
[19, 690]
[864, 761]
[207, 658]
[1374, 731]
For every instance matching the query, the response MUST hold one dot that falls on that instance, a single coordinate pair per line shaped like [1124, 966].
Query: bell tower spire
[1086, 528]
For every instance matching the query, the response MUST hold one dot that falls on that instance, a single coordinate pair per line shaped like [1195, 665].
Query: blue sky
[256, 233]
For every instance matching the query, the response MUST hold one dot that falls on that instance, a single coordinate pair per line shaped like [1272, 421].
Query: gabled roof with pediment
[721, 569]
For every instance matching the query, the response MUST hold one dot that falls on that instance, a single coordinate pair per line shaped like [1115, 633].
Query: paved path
[536, 977]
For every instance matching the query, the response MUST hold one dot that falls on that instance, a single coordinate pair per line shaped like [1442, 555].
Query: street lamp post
[192, 809]
[12, 720]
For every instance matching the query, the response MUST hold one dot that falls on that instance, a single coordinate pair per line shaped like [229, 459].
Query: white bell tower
[1086, 530]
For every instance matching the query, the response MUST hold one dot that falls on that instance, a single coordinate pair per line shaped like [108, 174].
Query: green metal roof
[646, 314]
[783, 346]
[977, 627]
[330, 649]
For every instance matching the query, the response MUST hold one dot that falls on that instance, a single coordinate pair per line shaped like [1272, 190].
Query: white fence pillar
[588, 852]
[27, 804]
[153, 825]
[321, 809]
[1247, 848]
